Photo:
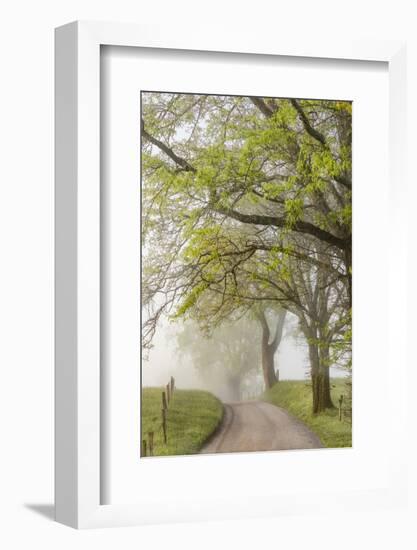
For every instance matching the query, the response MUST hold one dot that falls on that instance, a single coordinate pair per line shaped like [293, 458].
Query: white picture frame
[78, 406]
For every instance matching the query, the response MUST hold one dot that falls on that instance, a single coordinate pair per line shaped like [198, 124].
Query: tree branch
[299, 226]
[306, 123]
[318, 136]
[185, 165]
[262, 106]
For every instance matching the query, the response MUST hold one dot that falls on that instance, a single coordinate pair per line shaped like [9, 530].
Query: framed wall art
[221, 350]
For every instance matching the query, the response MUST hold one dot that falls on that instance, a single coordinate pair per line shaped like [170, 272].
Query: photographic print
[246, 273]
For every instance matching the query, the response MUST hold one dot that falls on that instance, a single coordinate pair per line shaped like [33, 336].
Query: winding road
[259, 426]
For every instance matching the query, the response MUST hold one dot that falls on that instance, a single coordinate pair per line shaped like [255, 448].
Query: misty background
[166, 359]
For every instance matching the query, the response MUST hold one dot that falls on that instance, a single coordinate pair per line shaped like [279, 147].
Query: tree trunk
[348, 262]
[314, 373]
[320, 379]
[325, 369]
[268, 367]
[269, 348]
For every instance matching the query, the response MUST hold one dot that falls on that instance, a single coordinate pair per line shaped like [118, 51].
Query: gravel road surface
[259, 426]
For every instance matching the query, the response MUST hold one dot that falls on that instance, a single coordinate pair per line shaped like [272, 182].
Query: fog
[167, 358]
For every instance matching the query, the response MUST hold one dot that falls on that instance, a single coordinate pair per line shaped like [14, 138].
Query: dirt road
[259, 426]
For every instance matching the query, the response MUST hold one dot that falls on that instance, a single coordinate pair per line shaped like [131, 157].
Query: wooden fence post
[172, 385]
[144, 447]
[164, 401]
[168, 393]
[164, 424]
[150, 441]
[340, 407]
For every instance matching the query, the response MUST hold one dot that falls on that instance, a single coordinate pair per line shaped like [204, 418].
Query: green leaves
[268, 158]
[190, 300]
[293, 210]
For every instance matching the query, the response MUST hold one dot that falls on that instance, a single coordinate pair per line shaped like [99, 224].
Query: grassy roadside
[295, 396]
[192, 417]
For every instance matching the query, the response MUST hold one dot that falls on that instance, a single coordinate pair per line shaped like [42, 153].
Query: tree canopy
[246, 204]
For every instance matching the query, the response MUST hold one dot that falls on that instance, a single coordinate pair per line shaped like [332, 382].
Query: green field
[295, 396]
[192, 417]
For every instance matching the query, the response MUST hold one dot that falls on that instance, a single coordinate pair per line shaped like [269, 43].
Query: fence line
[166, 396]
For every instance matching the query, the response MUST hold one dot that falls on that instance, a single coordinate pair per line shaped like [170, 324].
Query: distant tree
[226, 357]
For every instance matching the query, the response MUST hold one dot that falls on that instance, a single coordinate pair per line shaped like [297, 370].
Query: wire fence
[166, 398]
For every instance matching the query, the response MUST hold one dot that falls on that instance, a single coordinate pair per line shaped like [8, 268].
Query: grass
[192, 417]
[295, 396]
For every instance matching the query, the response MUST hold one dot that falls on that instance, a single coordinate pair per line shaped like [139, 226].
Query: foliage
[247, 204]
[192, 417]
[225, 357]
[231, 184]
[295, 396]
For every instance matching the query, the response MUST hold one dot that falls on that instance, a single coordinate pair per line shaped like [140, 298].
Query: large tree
[277, 279]
[225, 357]
[281, 165]
[232, 180]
